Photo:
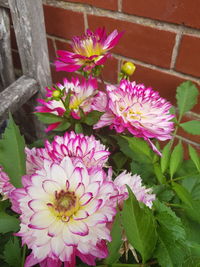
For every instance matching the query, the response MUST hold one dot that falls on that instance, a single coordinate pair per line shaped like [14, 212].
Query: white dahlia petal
[41, 220]
[66, 216]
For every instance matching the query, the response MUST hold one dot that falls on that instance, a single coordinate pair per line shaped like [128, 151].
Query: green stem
[176, 130]
[23, 255]
[182, 177]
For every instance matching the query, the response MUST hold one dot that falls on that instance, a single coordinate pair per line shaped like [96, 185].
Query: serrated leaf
[115, 244]
[48, 118]
[169, 221]
[169, 253]
[194, 157]
[139, 225]
[92, 117]
[186, 96]
[12, 252]
[63, 126]
[164, 160]
[176, 159]
[191, 127]
[12, 155]
[191, 206]
[139, 145]
[8, 223]
[171, 237]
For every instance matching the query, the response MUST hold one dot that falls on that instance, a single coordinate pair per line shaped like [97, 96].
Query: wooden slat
[29, 26]
[4, 3]
[16, 95]
[7, 75]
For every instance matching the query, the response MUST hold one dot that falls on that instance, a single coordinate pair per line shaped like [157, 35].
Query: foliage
[168, 233]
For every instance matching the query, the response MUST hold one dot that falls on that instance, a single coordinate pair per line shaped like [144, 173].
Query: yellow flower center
[65, 205]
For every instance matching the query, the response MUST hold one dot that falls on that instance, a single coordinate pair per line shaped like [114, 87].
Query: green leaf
[63, 126]
[191, 206]
[139, 145]
[176, 159]
[12, 155]
[139, 225]
[158, 173]
[169, 221]
[186, 96]
[169, 253]
[48, 118]
[92, 117]
[191, 127]
[163, 192]
[171, 237]
[194, 157]
[183, 194]
[78, 128]
[119, 160]
[8, 223]
[12, 252]
[192, 185]
[164, 160]
[115, 244]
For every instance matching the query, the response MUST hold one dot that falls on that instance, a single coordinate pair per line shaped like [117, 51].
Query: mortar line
[187, 140]
[119, 5]
[85, 21]
[168, 71]
[167, 26]
[176, 49]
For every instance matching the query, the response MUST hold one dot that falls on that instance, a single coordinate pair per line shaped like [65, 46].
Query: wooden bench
[28, 23]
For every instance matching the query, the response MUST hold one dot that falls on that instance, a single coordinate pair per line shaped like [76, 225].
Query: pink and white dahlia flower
[64, 213]
[5, 185]
[137, 109]
[73, 145]
[141, 193]
[82, 95]
[89, 50]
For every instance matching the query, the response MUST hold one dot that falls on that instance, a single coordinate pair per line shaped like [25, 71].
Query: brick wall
[162, 38]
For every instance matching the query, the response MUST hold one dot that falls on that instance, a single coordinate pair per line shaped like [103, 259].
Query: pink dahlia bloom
[139, 110]
[73, 145]
[141, 193]
[64, 211]
[89, 50]
[82, 96]
[5, 186]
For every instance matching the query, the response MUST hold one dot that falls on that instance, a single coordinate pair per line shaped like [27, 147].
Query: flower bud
[128, 68]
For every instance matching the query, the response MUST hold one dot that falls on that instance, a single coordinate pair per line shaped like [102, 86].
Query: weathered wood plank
[16, 95]
[6, 65]
[28, 21]
[4, 3]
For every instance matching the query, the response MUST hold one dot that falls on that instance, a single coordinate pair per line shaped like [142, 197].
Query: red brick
[188, 60]
[160, 81]
[107, 4]
[183, 12]
[51, 49]
[140, 42]
[63, 23]
[110, 70]
[61, 45]
[58, 76]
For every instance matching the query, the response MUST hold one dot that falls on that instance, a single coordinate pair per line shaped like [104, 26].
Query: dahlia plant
[101, 188]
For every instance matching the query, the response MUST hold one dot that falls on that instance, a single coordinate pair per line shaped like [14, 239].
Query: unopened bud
[128, 68]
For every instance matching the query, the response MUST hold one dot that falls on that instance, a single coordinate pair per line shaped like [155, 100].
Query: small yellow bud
[56, 94]
[128, 68]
